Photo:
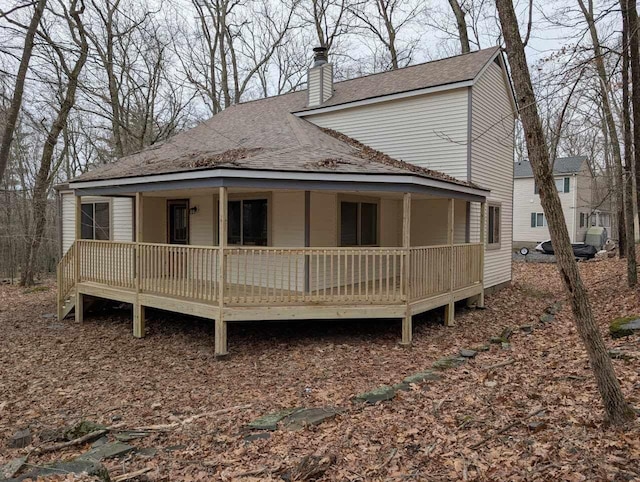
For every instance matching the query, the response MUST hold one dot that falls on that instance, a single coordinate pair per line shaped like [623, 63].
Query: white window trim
[94, 202]
[498, 205]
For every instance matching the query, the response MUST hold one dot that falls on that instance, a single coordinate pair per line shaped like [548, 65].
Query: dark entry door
[178, 221]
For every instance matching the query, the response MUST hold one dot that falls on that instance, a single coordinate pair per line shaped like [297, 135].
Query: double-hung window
[563, 184]
[248, 223]
[358, 223]
[95, 221]
[493, 233]
[538, 220]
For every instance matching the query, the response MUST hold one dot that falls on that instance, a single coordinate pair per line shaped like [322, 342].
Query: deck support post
[79, 308]
[483, 237]
[449, 312]
[407, 324]
[138, 320]
[138, 309]
[220, 349]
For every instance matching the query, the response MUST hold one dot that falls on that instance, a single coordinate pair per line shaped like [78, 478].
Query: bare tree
[617, 410]
[605, 88]
[384, 23]
[44, 177]
[461, 24]
[627, 175]
[16, 102]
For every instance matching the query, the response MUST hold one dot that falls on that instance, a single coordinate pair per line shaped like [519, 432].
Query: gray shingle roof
[265, 135]
[563, 165]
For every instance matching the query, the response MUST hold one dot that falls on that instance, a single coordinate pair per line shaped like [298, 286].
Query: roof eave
[266, 177]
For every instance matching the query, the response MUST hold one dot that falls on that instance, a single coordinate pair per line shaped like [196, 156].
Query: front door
[178, 221]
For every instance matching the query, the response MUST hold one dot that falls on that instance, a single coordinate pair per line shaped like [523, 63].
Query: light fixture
[193, 210]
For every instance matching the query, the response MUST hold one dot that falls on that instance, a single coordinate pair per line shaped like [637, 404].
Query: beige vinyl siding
[525, 202]
[428, 130]
[154, 220]
[120, 212]
[313, 87]
[492, 164]
[429, 222]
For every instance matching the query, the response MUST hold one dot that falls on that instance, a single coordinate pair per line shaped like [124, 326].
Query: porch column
[483, 236]
[79, 305]
[449, 311]
[138, 309]
[307, 238]
[407, 326]
[221, 325]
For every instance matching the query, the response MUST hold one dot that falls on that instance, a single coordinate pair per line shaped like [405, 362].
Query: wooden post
[449, 311]
[221, 325]
[407, 327]
[307, 239]
[483, 237]
[79, 304]
[138, 309]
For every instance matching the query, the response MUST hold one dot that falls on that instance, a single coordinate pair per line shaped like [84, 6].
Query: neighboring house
[360, 199]
[576, 186]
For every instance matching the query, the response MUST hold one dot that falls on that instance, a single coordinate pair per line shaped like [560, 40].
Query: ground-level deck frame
[410, 291]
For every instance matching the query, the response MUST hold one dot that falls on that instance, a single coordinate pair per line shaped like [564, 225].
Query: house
[581, 204]
[366, 198]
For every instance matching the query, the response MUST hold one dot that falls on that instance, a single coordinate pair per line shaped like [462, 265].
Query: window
[582, 220]
[248, 222]
[605, 220]
[538, 220]
[95, 221]
[493, 235]
[562, 185]
[358, 224]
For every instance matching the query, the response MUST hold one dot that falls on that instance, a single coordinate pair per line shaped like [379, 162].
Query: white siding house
[382, 196]
[574, 180]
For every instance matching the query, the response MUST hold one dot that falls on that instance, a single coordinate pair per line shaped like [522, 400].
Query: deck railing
[275, 276]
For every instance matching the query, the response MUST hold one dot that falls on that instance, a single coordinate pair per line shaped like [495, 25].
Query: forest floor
[53, 375]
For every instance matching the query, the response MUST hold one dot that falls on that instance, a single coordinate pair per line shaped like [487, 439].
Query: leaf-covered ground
[54, 375]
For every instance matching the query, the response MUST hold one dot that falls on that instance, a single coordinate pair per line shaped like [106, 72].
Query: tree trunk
[627, 177]
[617, 410]
[16, 101]
[461, 24]
[44, 177]
[634, 57]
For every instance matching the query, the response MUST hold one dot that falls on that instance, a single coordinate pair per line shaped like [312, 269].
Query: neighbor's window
[95, 221]
[358, 224]
[562, 185]
[605, 220]
[538, 220]
[248, 222]
[582, 220]
[493, 234]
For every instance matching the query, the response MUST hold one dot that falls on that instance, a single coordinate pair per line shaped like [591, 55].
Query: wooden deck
[227, 284]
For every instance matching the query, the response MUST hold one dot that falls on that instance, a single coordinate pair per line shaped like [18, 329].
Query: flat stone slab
[547, 318]
[423, 376]
[106, 451]
[270, 421]
[401, 387]
[147, 452]
[20, 439]
[77, 466]
[380, 394]
[554, 308]
[466, 353]
[627, 326]
[83, 428]
[308, 416]
[448, 362]
[128, 436]
[11, 468]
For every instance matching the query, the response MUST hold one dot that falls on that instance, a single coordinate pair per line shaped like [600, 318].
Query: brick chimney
[319, 79]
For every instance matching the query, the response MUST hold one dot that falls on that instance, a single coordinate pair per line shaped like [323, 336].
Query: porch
[394, 278]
